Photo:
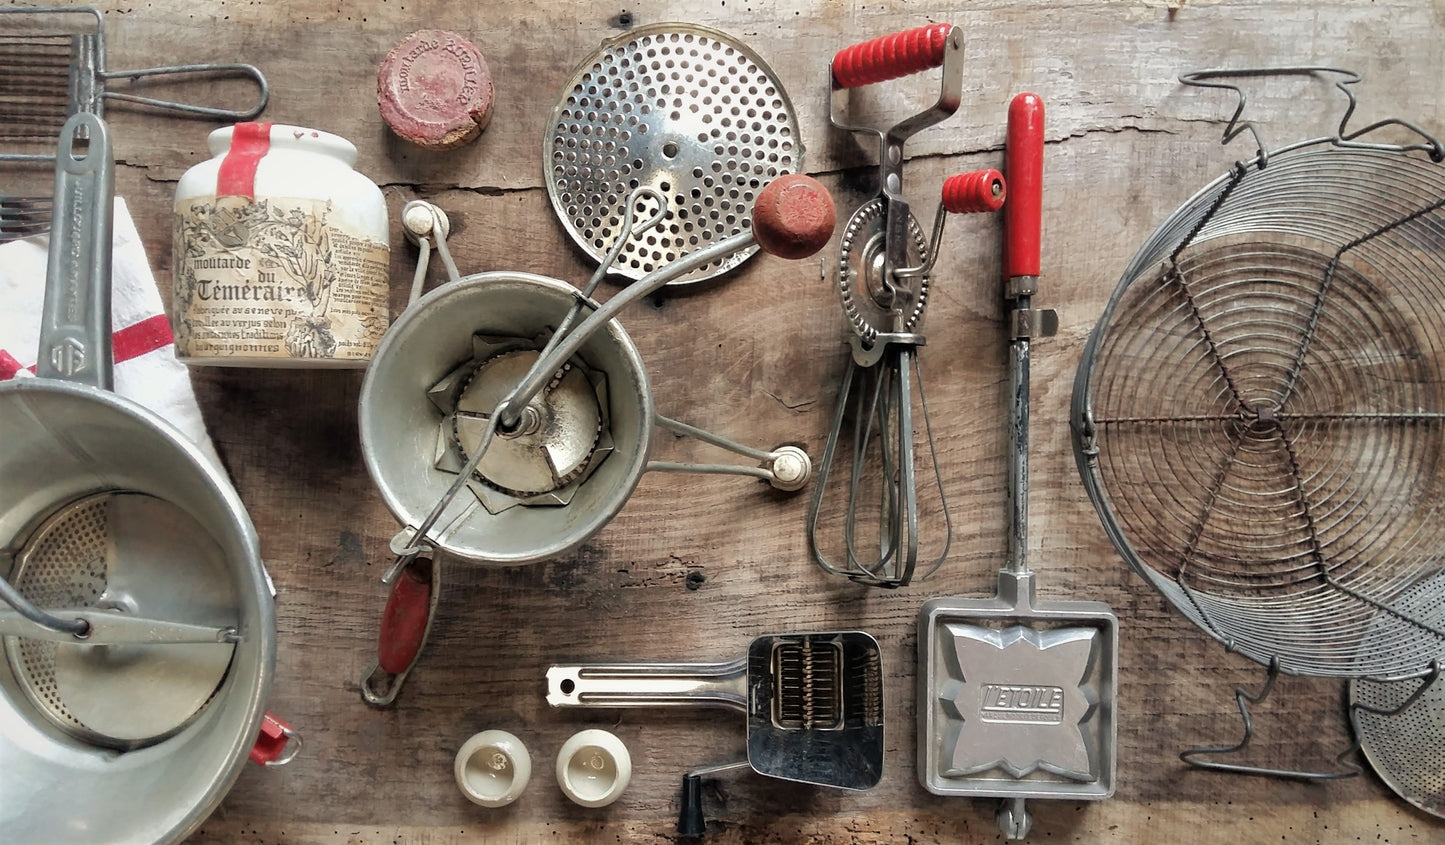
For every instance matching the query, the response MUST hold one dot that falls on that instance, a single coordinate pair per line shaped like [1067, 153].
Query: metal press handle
[649, 685]
[208, 70]
[1023, 224]
[75, 323]
[93, 626]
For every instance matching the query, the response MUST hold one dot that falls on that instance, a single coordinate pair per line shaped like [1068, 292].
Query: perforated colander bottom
[64, 567]
[127, 553]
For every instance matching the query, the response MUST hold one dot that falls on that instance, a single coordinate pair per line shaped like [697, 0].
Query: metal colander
[684, 109]
[1258, 414]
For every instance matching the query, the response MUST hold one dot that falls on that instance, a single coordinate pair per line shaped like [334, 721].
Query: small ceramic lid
[593, 768]
[434, 89]
[493, 768]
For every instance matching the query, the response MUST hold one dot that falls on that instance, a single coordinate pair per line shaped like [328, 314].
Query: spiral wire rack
[1259, 415]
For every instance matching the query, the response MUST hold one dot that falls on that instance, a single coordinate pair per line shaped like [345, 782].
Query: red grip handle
[1024, 163]
[891, 56]
[403, 622]
[970, 193]
[272, 741]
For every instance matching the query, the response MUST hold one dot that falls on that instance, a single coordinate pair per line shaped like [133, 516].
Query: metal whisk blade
[878, 496]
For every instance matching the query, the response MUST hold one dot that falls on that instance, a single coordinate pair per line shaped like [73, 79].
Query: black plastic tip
[690, 821]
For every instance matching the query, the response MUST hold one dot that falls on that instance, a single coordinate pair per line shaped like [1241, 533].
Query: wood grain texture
[757, 357]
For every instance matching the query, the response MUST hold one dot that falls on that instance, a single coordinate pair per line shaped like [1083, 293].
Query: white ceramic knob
[791, 468]
[593, 768]
[493, 768]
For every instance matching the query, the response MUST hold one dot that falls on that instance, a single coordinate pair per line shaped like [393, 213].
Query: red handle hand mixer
[883, 266]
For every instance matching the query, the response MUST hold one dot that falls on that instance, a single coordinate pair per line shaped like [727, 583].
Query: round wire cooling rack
[684, 109]
[1259, 415]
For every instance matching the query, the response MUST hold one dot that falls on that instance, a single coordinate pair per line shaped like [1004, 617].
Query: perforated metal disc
[127, 553]
[686, 110]
[1406, 749]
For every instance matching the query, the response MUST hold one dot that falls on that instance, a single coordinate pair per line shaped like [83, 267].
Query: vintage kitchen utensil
[492, 768]
[814, 704]
[1016, 696]
[1400, 725]
[52, 65]
[109, 513]
[883, 269]
[686, 110]
[593, 768]
[464, 358]
[1258, 413]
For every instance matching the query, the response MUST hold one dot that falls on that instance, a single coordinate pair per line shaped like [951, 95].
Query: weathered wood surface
[757, 358]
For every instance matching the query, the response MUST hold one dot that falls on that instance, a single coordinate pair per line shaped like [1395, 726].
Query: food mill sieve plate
[1406, 749]
[130, 553]
[686, 110]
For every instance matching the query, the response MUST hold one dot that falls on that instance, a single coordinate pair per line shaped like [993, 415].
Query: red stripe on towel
[148, 335]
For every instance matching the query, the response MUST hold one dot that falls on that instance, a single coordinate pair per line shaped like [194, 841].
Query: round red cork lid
[434, 89]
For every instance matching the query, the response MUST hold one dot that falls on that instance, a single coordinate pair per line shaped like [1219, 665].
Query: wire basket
[1259, 415]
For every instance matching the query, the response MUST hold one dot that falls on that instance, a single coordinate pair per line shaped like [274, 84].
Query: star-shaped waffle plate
[1016, 697]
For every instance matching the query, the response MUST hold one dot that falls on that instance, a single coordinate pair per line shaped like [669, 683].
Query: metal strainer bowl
[684, 109]
[1259, 415]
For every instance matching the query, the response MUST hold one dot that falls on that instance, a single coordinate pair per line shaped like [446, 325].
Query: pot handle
[278, 743]
[405, 623]
[75, 323]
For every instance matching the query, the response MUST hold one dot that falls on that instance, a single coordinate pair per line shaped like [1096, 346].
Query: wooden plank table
[695, 567]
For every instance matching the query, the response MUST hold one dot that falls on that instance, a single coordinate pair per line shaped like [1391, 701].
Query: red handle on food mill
[404, 621]
[793, 216]
[891, 56]
[1024, 163]
[971, 193]
[272, 743]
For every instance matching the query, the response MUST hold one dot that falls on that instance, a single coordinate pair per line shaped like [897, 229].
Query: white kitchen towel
[146, 369]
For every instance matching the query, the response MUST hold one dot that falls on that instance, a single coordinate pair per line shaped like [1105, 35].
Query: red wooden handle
[1024, 163]
[403, 622]
[793, 216]
[970, 193]
[891, 56]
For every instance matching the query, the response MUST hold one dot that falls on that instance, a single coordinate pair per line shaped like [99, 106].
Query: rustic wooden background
[757, 357]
